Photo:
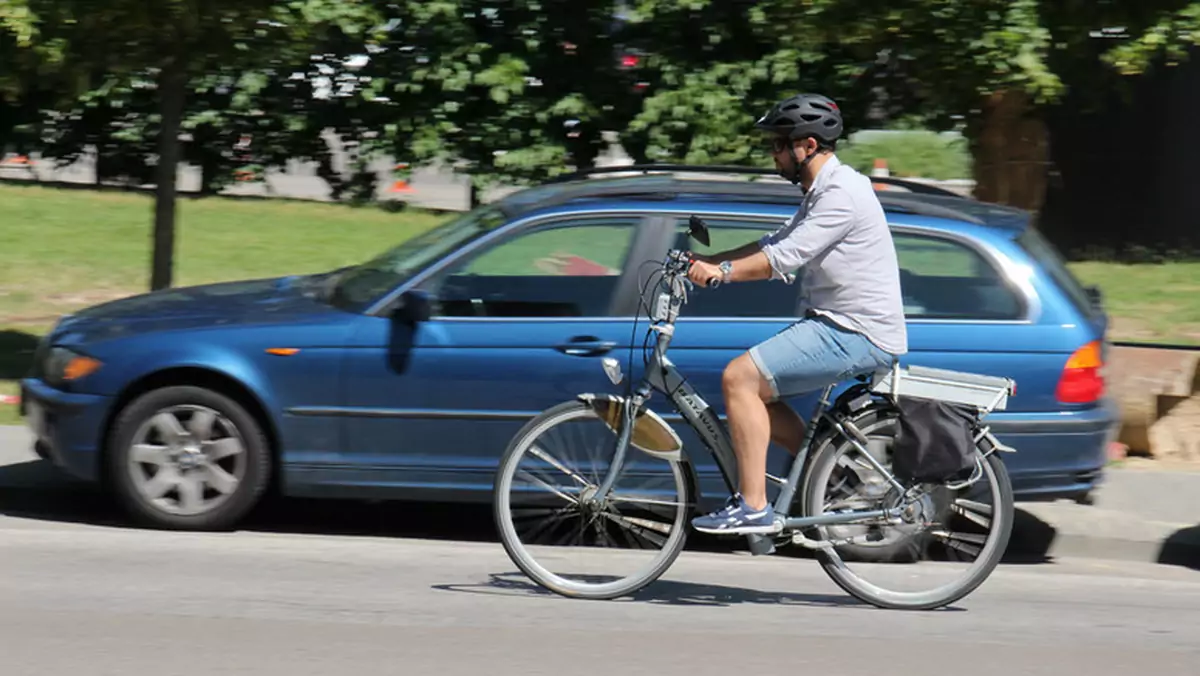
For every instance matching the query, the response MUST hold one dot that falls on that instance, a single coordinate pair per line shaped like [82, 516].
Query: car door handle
[585, 346]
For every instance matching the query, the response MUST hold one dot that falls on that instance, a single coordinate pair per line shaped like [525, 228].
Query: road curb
[1065, 529]
[1182, 550]
[1139, 516]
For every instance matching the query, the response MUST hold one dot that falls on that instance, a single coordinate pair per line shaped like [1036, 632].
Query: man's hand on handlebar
[704, 274]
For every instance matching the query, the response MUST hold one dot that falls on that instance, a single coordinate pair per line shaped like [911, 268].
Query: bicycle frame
[665, 377]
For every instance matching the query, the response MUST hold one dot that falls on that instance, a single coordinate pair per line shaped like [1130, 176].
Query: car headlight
[65, 365]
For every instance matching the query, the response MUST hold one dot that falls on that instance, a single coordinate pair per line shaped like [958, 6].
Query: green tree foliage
[941, 59]
[100, 58]
[521, 90]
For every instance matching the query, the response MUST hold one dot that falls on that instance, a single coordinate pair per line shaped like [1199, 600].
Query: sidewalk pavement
[1139, 514]
[1142, 515]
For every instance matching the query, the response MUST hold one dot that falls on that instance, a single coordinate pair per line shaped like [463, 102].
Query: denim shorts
[815, 352]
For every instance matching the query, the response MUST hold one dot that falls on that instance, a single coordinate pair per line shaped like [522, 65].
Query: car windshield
[359, 285]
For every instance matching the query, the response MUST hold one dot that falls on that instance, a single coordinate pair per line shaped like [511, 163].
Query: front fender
[651, 434]
[214, 358]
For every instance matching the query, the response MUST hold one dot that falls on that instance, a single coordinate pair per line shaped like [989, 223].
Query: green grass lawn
[1148, 303]
[61, 250]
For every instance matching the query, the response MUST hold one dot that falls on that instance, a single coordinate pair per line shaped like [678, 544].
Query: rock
[1146, 382]
[1176, 435]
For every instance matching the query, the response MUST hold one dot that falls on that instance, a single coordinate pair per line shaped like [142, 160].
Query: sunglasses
[777, 144]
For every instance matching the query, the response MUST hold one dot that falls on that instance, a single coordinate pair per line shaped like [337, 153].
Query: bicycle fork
[628, 416]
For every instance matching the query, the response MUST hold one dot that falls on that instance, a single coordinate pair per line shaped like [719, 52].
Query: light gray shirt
[840, 237]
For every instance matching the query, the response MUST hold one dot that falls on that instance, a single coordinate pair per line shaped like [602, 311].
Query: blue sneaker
[737, 518]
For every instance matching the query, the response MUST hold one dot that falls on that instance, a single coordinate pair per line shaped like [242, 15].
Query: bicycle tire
[834, 567]
[534, 428]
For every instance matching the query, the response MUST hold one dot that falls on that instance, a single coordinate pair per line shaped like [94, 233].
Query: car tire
[233, 465]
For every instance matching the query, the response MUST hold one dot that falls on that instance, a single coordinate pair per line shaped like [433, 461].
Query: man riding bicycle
[852, 316]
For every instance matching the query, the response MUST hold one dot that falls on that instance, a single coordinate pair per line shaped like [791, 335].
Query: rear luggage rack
[987, 393]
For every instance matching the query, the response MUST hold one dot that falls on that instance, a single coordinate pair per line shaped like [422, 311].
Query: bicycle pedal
[760, 545]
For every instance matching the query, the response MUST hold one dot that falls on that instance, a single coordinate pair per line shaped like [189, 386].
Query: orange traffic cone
[401, 184]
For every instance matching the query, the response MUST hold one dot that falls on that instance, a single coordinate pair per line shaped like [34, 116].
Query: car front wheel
[187, 458]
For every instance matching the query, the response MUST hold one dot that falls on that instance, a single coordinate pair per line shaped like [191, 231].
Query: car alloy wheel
[188, 458]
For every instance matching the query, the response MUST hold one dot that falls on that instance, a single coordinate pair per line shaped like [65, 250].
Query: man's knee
[742, 376]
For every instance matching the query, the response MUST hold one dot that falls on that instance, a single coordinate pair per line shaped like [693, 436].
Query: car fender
[214, 358]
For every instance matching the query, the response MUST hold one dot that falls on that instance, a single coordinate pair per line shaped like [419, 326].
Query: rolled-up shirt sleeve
[827, 221]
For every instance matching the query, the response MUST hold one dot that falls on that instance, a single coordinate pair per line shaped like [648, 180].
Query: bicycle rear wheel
[953, 539]
[547, 473]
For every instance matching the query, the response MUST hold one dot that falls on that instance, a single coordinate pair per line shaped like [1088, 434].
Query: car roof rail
[668, 187]
[667, 167]
[910, 185]
[917, 186]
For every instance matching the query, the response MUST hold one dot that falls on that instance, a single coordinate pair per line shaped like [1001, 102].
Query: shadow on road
[1031, 539]
[1182, 548]
[668, 592]
[36, 490]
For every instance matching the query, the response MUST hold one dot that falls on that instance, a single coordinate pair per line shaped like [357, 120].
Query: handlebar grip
[712, 283]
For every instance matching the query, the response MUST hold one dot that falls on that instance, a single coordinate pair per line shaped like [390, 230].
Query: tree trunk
[172, 88]
[1010, 148]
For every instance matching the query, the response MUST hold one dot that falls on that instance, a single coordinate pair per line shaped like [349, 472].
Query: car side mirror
[698, 229]
[414, 307]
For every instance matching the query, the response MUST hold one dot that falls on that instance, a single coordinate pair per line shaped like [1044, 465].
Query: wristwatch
[726, 268]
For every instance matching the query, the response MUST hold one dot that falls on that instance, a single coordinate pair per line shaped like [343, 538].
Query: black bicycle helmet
[803, 115]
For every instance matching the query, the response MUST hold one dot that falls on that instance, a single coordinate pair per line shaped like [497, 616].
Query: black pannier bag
[936, 441]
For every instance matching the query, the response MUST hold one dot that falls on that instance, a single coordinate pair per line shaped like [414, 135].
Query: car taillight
[1081, 381]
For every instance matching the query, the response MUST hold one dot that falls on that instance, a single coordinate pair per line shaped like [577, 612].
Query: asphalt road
[311, 587]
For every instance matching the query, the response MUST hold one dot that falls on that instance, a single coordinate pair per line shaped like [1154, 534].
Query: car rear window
[1042, 251]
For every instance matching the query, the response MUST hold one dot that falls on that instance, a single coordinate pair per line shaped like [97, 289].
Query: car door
[519, 323]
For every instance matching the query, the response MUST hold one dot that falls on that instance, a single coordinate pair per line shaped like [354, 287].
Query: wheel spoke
[968, 543]
[161, 483]
[222, 448]
[221, 481]
[651, 531]
[613, 497]
[542, 482]
[191, 492]
[537, 451]
[201, 424]
[149, 454]
[168, 427]
[975, 512]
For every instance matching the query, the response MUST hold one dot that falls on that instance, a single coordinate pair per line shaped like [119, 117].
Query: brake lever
[710, 284]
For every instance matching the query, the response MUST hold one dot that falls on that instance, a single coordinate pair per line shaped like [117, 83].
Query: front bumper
[67, 426]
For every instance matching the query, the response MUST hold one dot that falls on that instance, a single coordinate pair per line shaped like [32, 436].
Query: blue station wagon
[406, 376]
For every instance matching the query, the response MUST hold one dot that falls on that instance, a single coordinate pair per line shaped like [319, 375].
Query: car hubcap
[187, 460]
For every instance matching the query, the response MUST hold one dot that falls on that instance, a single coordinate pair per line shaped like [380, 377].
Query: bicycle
[865, 415]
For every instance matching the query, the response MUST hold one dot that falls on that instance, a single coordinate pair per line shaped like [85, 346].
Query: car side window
[765, 298]
[560, 269]
[944, 279]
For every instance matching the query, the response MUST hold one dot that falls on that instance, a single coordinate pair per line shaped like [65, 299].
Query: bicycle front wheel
[558, 536]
